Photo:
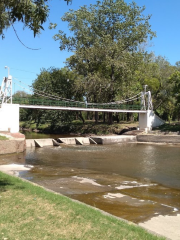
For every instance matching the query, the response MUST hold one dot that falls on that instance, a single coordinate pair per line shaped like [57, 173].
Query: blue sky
[25, 64]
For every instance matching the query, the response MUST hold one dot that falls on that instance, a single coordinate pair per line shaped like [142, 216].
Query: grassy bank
[173, 127]
[29, 212]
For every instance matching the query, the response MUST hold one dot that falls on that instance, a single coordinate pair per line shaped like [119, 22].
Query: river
[133, 181]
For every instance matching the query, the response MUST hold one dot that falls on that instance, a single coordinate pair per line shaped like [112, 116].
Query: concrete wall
[39, 142]
[12, 146]
[9, 117]
[114, 139]
[159, 138]
[149, 120]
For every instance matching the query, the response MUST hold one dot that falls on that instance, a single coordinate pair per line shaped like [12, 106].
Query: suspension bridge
[9, 106]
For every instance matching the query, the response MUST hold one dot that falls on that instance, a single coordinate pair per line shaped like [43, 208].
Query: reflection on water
[133, 181]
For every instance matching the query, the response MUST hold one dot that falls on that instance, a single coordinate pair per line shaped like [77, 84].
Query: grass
[3, 138]
[173, 127]
[29, 212]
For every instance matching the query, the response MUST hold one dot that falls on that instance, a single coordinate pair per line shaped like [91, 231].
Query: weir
[79, 141]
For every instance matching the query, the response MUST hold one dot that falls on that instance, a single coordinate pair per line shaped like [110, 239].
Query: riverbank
[79, 128]
[100, 128]
[29, 209]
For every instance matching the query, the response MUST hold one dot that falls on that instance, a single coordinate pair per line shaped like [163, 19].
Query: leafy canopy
[32, 13]
[104, 39]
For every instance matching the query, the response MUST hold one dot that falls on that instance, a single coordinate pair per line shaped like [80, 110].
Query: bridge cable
[54, 97]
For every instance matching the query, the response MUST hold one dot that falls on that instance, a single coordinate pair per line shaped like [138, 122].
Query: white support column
[9, 117]
[146, 120]
[149, 120]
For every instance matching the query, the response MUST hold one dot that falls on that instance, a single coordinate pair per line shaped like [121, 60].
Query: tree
[24, 113]
[104, 39]
[175, 93]
[32, 13]
[55, 84]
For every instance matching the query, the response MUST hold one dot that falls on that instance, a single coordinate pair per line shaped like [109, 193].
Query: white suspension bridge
[9, 106]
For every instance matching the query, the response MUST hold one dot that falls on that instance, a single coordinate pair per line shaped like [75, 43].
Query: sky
[24, 64]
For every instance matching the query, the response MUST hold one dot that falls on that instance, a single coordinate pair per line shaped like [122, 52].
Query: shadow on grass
[170, 127]
[4, 183]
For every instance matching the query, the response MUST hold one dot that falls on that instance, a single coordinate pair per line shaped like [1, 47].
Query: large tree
[104, 38]
[32, 13]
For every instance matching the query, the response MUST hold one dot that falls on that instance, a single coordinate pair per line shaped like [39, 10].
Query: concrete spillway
[150, 138]
[79, 141]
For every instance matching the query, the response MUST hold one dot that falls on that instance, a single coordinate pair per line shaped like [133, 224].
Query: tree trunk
[88, 116]
[81, 117]
[128, 117]
[104, 117]
[110, 118]
[96, 117]
[117, 117]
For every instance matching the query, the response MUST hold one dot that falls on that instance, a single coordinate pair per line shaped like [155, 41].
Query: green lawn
[29, 212]
[173, 127]
[3, 138]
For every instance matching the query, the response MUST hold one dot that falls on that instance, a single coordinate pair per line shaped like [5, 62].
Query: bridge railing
[61, 103]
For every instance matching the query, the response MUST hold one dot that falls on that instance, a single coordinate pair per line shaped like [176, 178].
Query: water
[133, 181]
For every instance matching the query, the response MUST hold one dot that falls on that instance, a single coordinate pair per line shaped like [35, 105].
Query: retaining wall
[12, 146]
[158, 138]
[114, 139]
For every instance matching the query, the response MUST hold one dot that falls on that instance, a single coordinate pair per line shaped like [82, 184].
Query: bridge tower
[9, 113]
[149, 119]
[6, 90]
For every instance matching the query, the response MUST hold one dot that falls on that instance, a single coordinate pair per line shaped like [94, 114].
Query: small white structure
[149, 120]
[9, 117]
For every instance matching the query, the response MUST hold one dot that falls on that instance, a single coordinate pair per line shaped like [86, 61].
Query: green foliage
[31, 13]
[24, 113]
[105, 39]
[3, 138]
[174, 82]
[53, 84]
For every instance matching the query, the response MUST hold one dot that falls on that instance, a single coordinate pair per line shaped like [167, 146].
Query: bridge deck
[81, 109]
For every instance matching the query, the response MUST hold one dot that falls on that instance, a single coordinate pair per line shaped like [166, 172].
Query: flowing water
[132, 181]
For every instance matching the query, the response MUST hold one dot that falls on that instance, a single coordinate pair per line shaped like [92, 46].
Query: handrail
[46, 102]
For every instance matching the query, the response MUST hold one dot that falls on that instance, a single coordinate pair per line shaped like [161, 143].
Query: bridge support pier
[9, 117]
[149, 120]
